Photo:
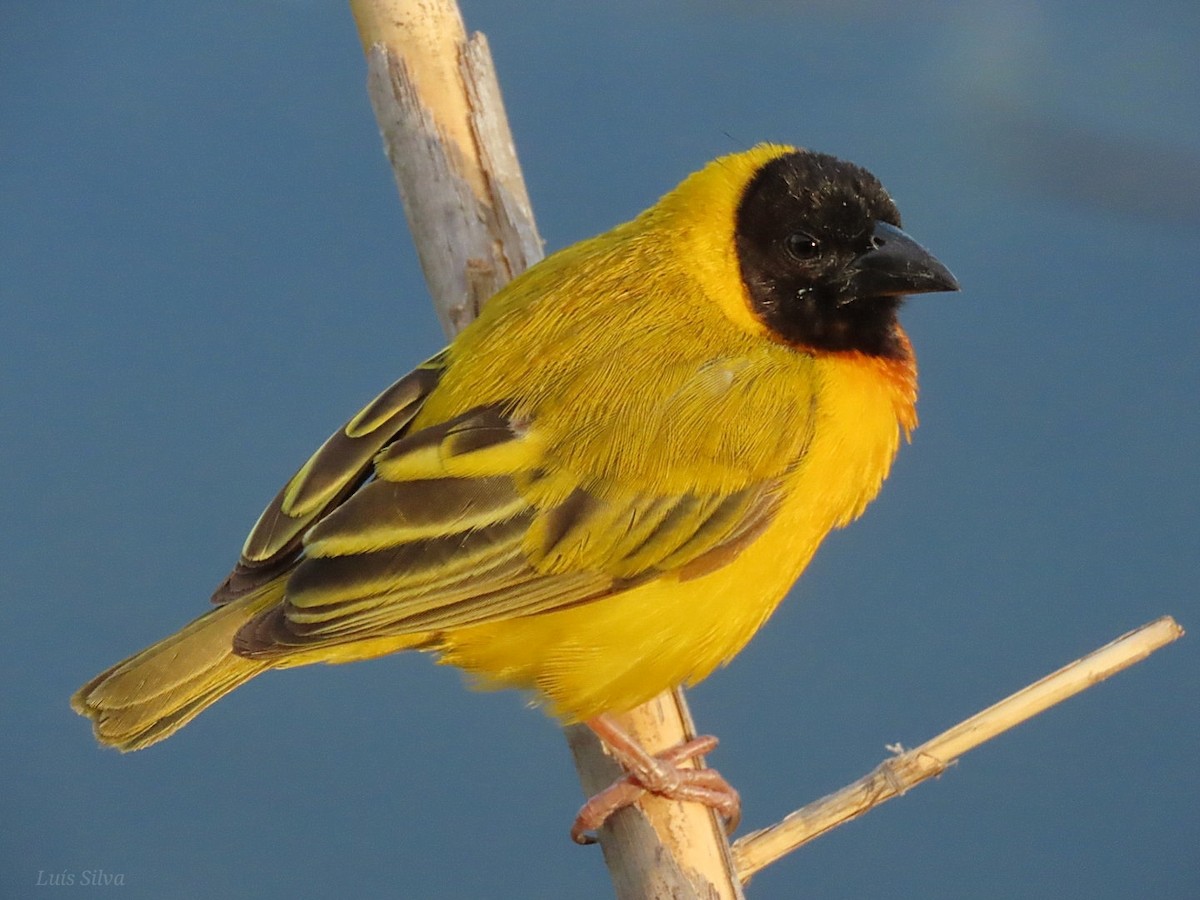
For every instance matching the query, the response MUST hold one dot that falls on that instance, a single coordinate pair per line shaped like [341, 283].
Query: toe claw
[659, 774]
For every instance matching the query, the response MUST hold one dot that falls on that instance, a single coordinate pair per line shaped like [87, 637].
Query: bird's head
[822, 256]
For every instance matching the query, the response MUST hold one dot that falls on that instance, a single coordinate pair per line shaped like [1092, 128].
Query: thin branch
[895, 776]
[438, 105]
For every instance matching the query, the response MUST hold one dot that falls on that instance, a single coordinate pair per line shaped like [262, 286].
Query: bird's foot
[659, 774]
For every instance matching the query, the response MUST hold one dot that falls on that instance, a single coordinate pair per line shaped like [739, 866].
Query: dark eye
[802, 246]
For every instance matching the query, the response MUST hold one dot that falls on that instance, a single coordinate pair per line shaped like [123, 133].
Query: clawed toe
[658, 774]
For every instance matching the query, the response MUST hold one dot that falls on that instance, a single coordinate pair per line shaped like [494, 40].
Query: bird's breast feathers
[843, 422]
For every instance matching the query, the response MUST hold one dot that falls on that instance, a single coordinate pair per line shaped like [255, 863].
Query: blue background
[204, 269]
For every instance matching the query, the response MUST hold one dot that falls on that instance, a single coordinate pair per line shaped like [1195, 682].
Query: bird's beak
[896, 264]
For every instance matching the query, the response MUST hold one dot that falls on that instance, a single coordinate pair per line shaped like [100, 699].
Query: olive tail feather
[154, 693]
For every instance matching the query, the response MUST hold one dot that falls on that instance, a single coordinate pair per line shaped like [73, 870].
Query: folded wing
[471, 521]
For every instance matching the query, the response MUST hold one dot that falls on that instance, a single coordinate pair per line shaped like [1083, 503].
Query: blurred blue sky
[204, 269]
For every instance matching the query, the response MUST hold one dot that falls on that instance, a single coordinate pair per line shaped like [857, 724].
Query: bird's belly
[617, 652]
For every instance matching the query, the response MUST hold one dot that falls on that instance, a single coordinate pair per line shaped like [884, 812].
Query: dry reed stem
[907, 768]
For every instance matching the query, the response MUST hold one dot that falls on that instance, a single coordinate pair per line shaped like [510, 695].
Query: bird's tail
[151, 695]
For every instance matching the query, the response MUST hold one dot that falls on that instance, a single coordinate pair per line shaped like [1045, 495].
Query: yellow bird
[605, 485]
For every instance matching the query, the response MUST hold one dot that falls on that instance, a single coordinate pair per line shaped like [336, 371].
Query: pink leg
[659, 774]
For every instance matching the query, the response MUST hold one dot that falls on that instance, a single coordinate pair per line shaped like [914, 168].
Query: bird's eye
[802, 246]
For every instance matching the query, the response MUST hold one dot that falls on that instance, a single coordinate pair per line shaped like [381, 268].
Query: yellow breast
[615, 653]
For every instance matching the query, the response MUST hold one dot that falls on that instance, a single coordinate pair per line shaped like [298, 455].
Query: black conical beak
[896, 264]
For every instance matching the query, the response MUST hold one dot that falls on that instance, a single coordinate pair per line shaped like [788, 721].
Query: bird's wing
[336, 470]
[472, 521]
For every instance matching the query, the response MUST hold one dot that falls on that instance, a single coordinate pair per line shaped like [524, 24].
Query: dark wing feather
[336, 470]
[447, 547]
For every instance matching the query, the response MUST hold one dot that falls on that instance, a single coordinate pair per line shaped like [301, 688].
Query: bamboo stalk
[438, 105]
[896, 775]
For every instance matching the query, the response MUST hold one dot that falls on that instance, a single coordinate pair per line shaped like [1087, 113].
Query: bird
[605, 484]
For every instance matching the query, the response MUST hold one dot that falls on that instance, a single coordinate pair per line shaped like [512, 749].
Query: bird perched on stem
[605, 485]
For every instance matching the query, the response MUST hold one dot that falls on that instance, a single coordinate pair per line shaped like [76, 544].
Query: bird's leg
[659, 774]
